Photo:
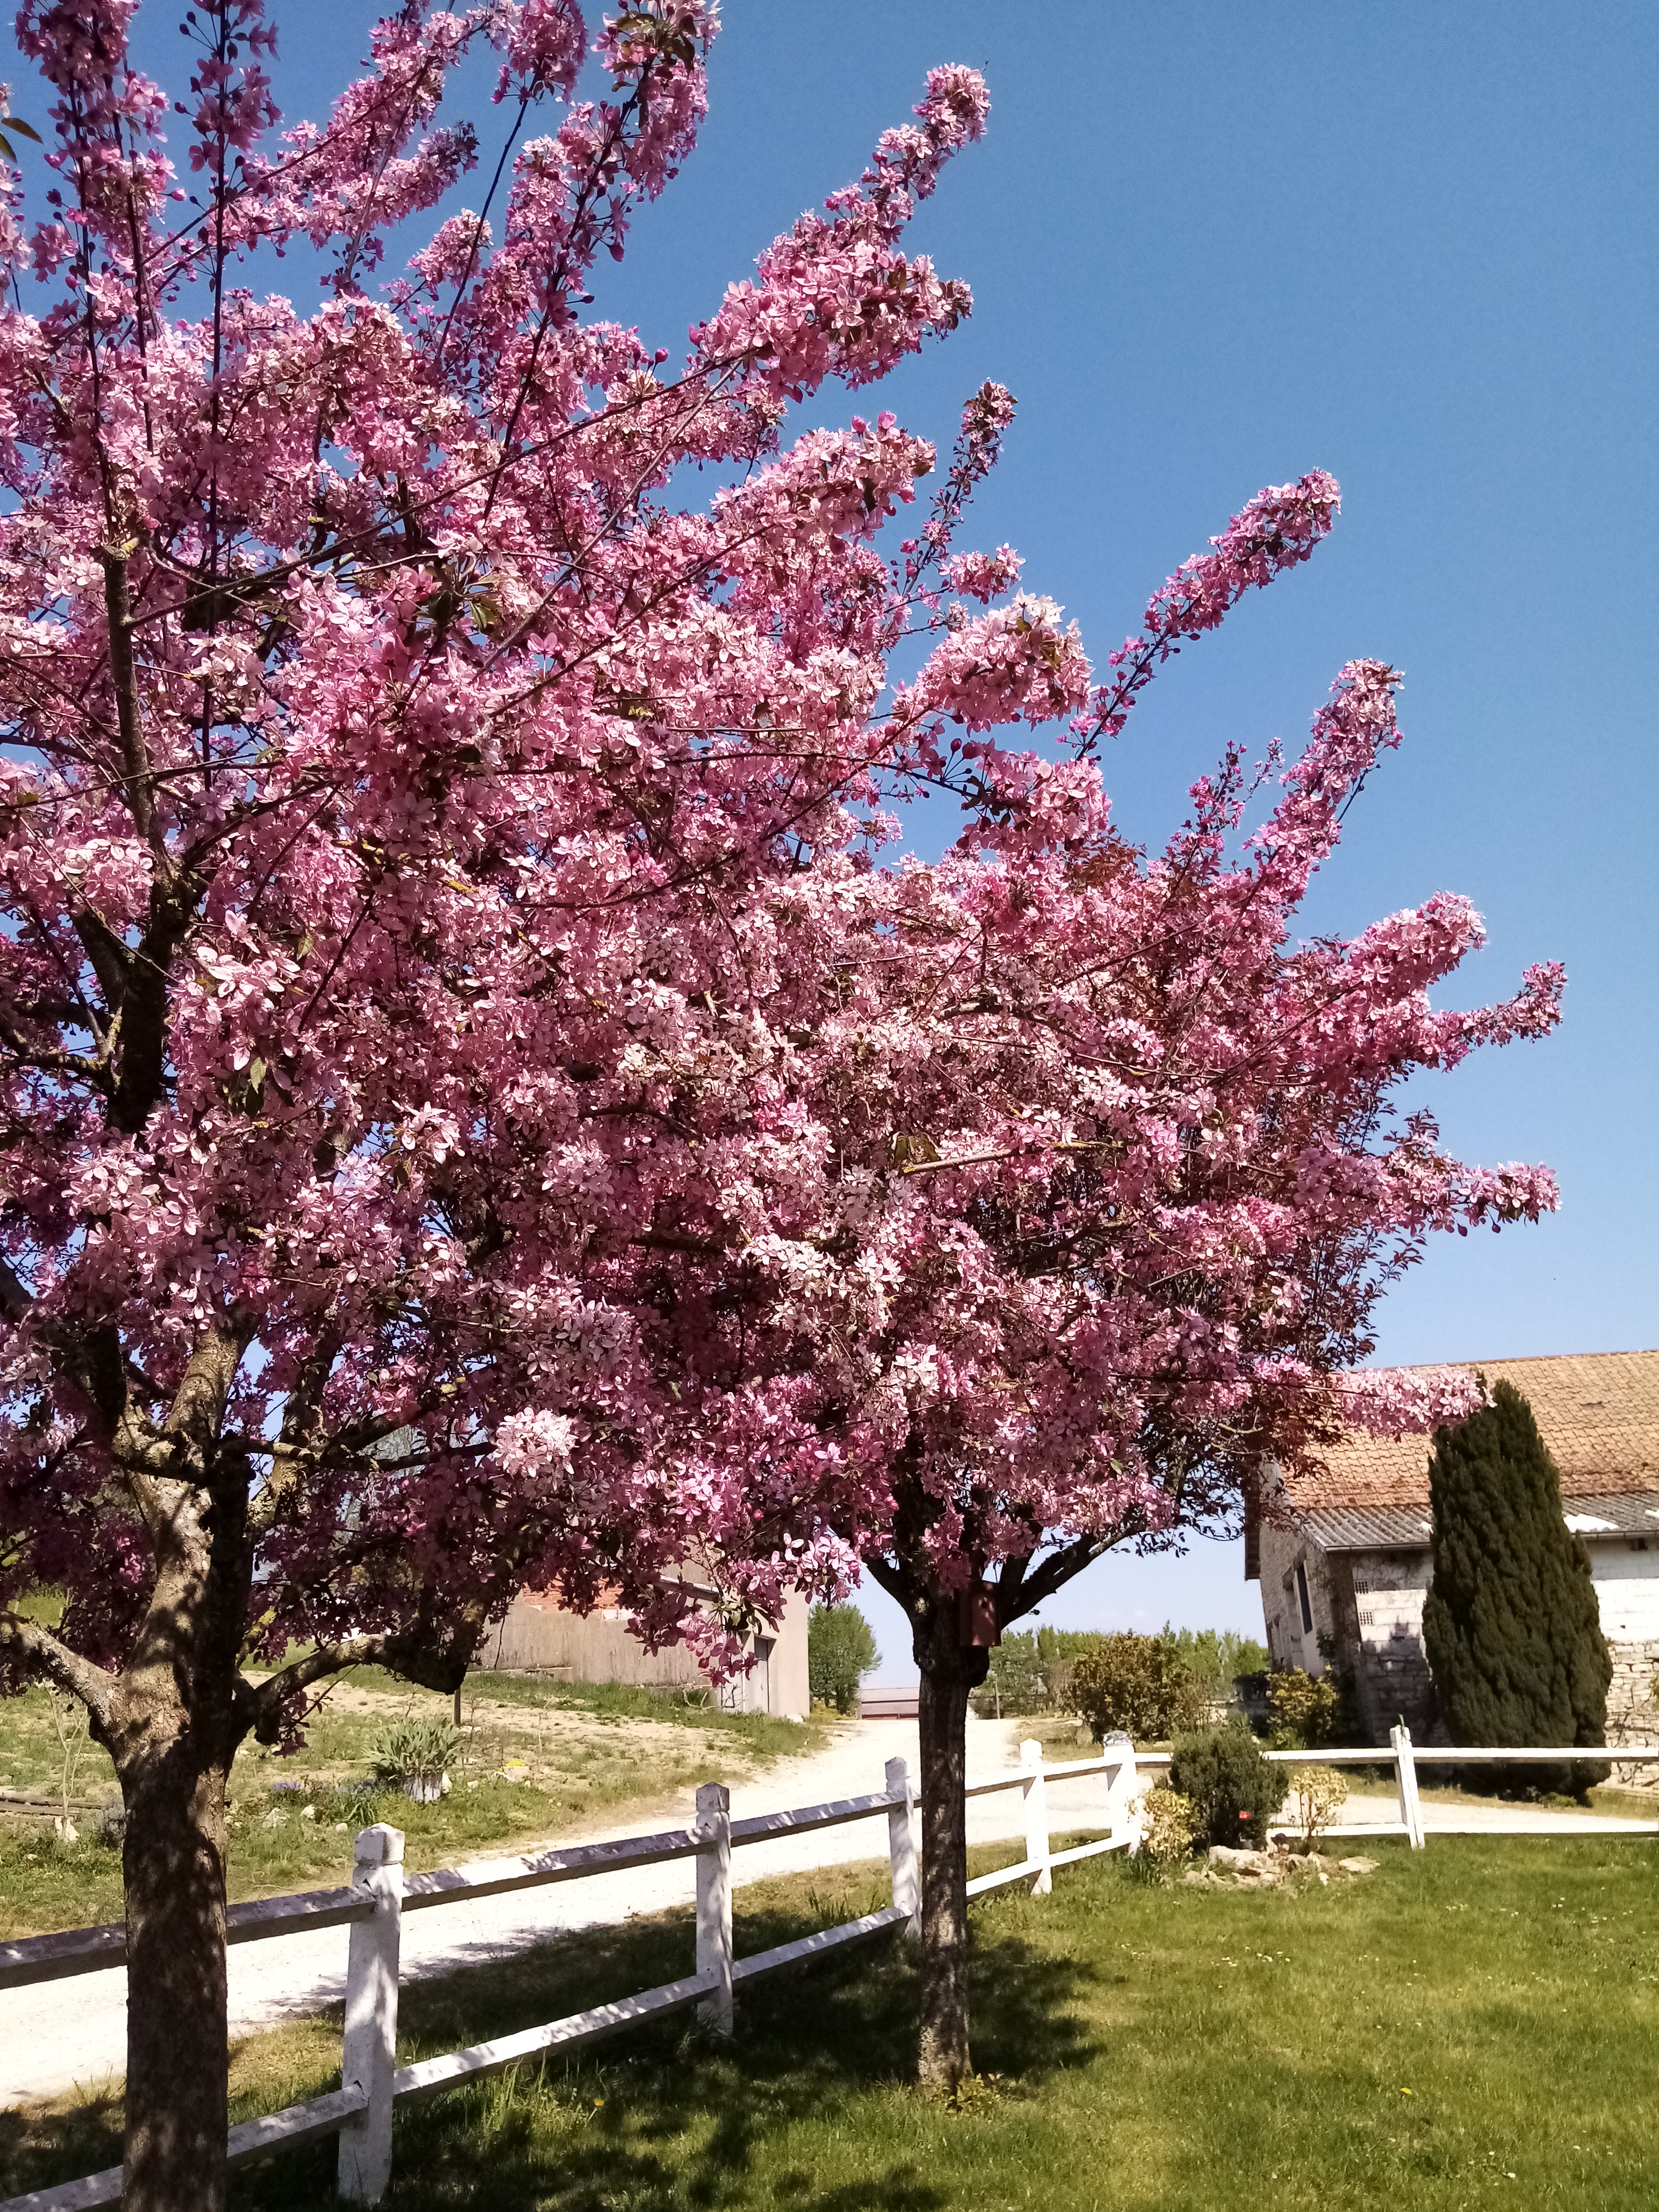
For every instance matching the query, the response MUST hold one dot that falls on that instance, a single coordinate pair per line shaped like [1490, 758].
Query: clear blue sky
[1210, 247]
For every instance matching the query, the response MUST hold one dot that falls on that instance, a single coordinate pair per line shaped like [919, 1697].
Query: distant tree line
[1178, 1671]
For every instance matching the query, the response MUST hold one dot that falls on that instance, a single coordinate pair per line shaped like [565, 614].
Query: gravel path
[57, 2036]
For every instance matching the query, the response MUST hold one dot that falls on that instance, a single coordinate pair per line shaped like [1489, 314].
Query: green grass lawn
[577, 1752]
[1472, 2023]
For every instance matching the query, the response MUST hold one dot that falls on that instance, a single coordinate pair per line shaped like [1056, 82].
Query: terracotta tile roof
[1598, 1412]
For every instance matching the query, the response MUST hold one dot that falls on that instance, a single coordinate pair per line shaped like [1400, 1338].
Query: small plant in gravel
[1233, 1790]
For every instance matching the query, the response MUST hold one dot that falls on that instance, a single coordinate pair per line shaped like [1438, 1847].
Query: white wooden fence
[361, 2112]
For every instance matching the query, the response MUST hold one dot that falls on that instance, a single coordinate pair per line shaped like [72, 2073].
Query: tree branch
[123, 674]
[261, 1705]
[41, 1654]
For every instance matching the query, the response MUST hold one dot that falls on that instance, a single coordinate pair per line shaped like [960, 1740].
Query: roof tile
[1598, 1412]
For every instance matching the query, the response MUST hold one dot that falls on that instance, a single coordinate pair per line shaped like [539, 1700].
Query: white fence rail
[373, 1907]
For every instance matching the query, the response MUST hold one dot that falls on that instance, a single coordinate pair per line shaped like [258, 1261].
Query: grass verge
[1470, 2022]
[539, 1759]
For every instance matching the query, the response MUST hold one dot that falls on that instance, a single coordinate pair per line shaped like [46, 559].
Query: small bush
[1234, 1791]
[1168, 1822]
[413, 1747]
[1305, 1709]
[1317, 1795]
[1138, 1685]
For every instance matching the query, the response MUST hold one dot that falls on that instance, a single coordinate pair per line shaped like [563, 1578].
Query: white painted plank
[429, 2075]
[814, 1947]
[296, 2124]
[495, 1877]
[91, 1950]
[283, 2130]
[762, 1825]
[1534, 1754]
[1088, 1851]
[980, 1884]
[1014, 1781]
[53, 1958]
[80, 2196]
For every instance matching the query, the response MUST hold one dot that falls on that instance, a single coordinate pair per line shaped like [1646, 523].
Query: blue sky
[1210, 247]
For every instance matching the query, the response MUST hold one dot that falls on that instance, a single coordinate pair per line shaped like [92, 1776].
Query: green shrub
[1137, 1685]
[1233, 1790]
[411, 1748]
[841, 1650]
[1511, 1625]
[1306, 1709]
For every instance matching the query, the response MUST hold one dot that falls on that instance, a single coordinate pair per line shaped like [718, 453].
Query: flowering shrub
[1140, 1685]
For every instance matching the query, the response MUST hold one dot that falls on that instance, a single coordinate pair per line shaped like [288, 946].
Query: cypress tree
[1511, 1625]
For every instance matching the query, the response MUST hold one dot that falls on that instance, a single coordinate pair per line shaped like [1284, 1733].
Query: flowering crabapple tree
[393, 771]
[1096, 1172]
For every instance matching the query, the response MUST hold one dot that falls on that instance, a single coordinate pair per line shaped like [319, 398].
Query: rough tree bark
[173, 1866]
[948, 1673]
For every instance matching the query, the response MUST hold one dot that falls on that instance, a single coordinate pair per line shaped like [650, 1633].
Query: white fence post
[1405, 1770]
[713, 1833]
[1122, 1788]
[1036, 1794]
[901, 1845]
[369, 2057]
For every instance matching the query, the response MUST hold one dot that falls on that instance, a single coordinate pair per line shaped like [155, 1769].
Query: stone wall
[1368, 1605]
[1632, 1712]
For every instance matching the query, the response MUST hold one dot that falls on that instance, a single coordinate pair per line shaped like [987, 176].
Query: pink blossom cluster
[476, 1097]
[1279, 527]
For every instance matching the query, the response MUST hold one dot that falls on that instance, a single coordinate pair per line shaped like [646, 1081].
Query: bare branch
[125, 675]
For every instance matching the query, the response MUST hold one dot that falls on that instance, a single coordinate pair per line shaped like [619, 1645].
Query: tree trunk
[174, 1864]
[948, 1673]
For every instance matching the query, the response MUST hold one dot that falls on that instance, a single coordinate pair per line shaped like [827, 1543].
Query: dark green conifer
[1511, 1625]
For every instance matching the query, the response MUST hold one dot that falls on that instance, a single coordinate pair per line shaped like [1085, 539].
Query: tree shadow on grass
[40, 2146]
[664, 2118]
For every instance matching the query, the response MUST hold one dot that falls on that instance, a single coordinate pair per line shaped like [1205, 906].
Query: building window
[1301, 1598]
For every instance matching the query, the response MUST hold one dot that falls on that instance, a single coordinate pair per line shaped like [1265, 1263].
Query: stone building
[538, 1636]
[1343, 1554]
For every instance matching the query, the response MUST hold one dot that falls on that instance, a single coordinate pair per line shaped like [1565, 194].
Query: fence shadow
[666, 2117]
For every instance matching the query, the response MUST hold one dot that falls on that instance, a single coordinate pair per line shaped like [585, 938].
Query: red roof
[1598, 1411]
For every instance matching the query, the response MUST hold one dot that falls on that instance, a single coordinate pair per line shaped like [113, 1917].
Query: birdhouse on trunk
[976, 1617]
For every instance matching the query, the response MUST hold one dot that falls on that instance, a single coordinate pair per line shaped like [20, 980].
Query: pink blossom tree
[1092, 1174]
[393, 766]
[473, 1110]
